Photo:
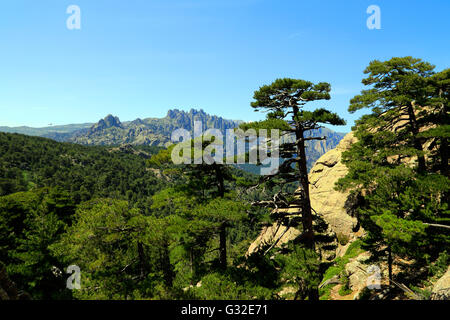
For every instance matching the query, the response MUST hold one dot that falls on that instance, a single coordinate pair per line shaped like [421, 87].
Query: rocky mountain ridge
[149, 131]
[110, 131]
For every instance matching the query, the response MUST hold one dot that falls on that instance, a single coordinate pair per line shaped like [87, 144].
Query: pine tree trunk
[223, 246]
[167, 267]
[416, 141]
[223, 226]
[191, 259]
[443, 150]
[313, 294]
[390, 265]
[444, 157]
[142, 260]
[307, 220]
[220, 181]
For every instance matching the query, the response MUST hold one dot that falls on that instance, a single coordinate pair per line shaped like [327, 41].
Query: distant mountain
[111, 131]
[157, 132]
[59, 133]
[316, 148]
[150, 131]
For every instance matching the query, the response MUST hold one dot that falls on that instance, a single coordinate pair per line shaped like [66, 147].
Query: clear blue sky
[139, 58]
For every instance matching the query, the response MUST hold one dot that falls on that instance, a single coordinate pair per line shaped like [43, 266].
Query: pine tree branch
[279, 238]
[315, 138]
[437, 225]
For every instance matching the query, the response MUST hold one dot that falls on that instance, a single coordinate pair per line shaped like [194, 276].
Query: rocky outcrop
[108, 122]
[363, 275]
[149, 131]
[327, 202]
[441, 289]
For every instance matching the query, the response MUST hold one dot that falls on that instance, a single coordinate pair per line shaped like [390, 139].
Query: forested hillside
[31, 162]
[138, 226]
[145, 230]
[55, 132]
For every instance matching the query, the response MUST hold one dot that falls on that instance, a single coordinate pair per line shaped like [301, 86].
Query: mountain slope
[59, 133]
[157, 132]
[33, 162]
[150, 131]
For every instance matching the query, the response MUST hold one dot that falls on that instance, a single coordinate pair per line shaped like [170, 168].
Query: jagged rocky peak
[186, 119]
[107, 122]
[176, 113]
[112, 121]
[195, 112]
[138, 121]
[171, 114]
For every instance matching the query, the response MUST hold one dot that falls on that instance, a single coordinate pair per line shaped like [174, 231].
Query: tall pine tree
[285, 100]
[404, 187]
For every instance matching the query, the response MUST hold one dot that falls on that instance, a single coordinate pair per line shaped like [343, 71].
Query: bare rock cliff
[327, 202]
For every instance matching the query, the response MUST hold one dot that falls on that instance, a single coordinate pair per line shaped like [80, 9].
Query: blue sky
[139, 58]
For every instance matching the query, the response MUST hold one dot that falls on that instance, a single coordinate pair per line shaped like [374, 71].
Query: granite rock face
[327, 202]
[441, 289]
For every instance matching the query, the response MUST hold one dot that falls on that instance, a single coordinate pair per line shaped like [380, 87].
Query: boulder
[356, 271]
[441, 289]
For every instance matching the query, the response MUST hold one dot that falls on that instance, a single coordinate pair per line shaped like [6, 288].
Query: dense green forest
[142, 234]
[140, 227]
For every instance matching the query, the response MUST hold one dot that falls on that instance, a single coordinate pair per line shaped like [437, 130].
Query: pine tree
[398, 91]
[301, 267]
[437, 120]
[121, 253]
[284, 100]
[212, 177]
[205, 181]
[402, 202]
[223, 212]
[31, 222]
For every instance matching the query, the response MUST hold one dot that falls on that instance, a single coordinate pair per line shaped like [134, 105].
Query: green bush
[353, 250]
[345, 288]
[439, 267]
